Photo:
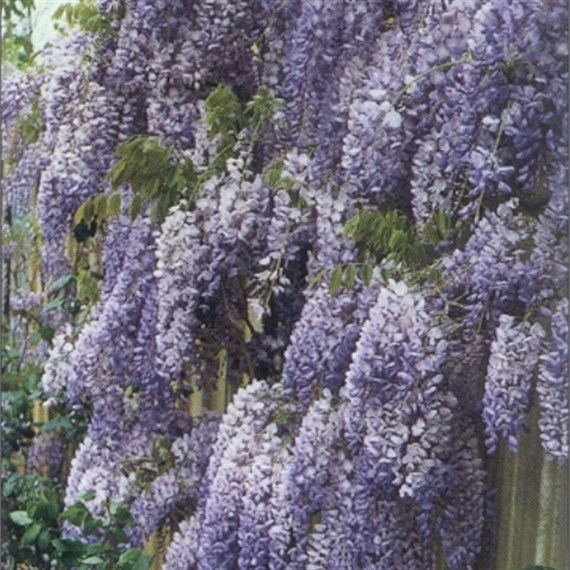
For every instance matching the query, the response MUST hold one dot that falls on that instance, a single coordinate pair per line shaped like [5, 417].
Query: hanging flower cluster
[359, 396]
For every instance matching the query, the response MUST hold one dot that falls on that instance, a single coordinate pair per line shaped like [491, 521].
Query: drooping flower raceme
[552, 389]
[512, 365]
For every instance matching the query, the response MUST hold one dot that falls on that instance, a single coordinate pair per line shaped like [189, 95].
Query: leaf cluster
[227, 117]
[19, 391]
[30, 517]
[61, 295]
[17, 48]
[388, 235]
[41, 522]
[155, 174]
[158, 176]
[18, 8]
[345, 276]
[86, 16]
[31, 126]
[69, 424]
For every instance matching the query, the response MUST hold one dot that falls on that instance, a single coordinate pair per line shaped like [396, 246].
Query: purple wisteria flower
[355, 423]
[221, 237]
[314, 453]
[19, 89]
[552, 388]
[512, 364]
[179, 486]
[320, 346]
[464, 494]
[247, 417]
[399, 417]
[492, 268]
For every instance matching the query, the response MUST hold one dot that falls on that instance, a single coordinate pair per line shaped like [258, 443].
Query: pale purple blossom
[512, 364]
[552, 388]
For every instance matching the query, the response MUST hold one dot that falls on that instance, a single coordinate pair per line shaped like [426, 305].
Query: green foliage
[18, 50]
[29, 501]
[227, 118]
[30, 517]
[273, 173]
[17, 47]
[20, 387]
[62, 295]
[85, 16]
[262, 108]
[39, 528]
[31, 126]
[224, 112]
[33, 513]
[389, 235]
[18, 8]
[336, 280]
[88, 287]
[155, 174]
[346, 276]
[68, 424]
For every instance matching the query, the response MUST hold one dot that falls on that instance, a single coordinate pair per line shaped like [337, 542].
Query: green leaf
[46, 332]
[88, 210]
[46, 510]
[21, 518]
[121, 514]
[44, 539]
[350, 277]
[385, 274]
[76, 514]
[72, 306]
[136, 207]
[442, 222]
[59, 12]
[92, 561]
[396, 239]
[69, 545]
[100, 205]
[224, 114]
[114, 205]
[367, 272]
[273, 172]
[336, 280]
[31, 533]
[317, 278]
[134, 559]
[431, 234]
[144, 562]
[53, 305]
[119, 535]
[60, 284]
[90, 525]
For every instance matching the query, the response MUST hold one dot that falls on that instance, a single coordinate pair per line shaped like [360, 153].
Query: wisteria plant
[301, 265]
